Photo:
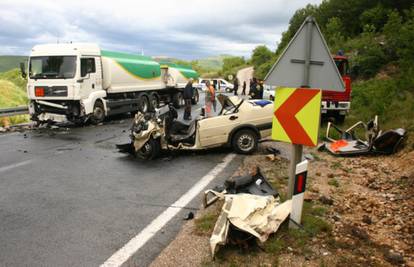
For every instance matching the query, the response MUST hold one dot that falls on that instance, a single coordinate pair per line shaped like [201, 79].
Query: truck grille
[51, 91]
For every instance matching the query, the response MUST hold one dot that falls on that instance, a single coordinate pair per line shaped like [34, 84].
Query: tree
[391, 33]
[261, 54]
[333, 34]
[230, 63]
[262, 60]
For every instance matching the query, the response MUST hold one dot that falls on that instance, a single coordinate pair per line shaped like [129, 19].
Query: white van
[219, 84]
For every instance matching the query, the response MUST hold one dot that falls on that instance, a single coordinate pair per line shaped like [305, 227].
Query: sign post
[297, 150]
[298, 193]
[305, 63]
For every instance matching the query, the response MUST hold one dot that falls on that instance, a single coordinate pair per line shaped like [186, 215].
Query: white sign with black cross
[298, 194]
[306, 62]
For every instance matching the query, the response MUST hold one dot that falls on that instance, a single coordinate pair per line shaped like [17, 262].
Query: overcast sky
[186, 29]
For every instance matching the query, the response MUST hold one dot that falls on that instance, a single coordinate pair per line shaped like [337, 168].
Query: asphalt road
[68, 198]
[245, 75]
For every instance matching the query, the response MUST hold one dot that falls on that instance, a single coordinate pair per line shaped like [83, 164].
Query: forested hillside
[378, 38]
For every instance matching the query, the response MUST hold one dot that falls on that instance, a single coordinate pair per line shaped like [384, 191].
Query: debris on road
[369, 213]
[189, 216]
[251, 209]
[374, 142]
[255, 183]
[256, 215]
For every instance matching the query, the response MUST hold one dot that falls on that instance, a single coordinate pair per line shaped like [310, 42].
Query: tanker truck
[81, 82]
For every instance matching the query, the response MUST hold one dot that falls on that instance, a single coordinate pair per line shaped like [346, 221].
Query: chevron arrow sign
[297, 116]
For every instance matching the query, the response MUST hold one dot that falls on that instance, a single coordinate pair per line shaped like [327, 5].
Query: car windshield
[52, 67]
[227, 105]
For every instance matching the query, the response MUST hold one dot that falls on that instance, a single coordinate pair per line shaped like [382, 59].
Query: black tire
[178, 99]
[154, 101]
[143, 103]
[245, 141]
[195, 98]
[98, 114]
[150, 150]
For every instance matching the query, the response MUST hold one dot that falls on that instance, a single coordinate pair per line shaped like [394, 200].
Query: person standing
[236, 85]
[244, 88]
[210, 98]
[261, 89]
[188, 95]
[253, 89]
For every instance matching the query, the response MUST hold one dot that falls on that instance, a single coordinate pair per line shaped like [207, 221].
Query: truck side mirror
[23, 70]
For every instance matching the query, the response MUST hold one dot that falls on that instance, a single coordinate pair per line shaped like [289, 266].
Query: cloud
[185, 29]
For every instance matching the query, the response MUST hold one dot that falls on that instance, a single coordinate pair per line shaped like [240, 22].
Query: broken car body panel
[374, 141]
[259, 216]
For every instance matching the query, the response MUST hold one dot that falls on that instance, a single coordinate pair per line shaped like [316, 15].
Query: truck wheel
[245, 141]
[154, 100]
[196, 97]
[98, 114]
[150, 150]
[178, 100]
[143, 103]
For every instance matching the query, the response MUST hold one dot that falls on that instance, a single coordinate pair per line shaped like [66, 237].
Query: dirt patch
[358, 212]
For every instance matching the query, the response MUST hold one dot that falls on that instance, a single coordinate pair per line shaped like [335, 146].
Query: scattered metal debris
[255, 183]
[189, 216]
[256, 215]
[309, 157]
[375, 141]
[251, 209]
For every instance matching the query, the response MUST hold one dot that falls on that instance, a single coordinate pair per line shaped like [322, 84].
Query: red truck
[337, 104]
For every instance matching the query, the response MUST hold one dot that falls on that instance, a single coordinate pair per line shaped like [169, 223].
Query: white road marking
[130, 248]
[12, 166]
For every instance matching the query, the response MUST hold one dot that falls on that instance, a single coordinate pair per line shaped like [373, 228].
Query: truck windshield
[52, 67]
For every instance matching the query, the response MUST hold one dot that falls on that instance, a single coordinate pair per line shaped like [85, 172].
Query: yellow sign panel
[297, 116]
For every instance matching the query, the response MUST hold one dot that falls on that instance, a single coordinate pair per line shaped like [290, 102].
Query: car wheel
[98, 114]
[178, 100]
[245, 141]
[196, 97]
[150, 150]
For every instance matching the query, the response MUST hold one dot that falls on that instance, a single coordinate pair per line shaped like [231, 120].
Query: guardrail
[8, 112]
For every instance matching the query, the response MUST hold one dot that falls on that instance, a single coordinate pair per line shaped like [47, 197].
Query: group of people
[255, 92]
[210, 100]
[256, 88]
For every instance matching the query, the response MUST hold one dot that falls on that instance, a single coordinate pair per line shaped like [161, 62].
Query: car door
[91, 78]
[215, 131]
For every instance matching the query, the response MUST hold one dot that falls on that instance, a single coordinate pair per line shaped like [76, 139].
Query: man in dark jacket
[236, 85]
[253, 89]
[188, 95]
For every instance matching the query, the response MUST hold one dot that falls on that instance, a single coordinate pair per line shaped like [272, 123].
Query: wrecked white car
[239, 124]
